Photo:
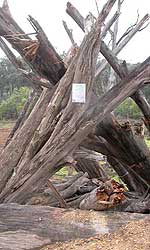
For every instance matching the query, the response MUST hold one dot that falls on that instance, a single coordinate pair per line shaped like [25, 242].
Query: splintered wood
[106, 196]
[80, 191]
[29, 46]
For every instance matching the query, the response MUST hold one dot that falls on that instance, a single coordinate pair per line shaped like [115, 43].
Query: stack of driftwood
[56, 130]
[79, 191]
[52, 134]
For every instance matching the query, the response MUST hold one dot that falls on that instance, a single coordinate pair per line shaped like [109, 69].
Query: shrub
[11, 107]
[128, 109]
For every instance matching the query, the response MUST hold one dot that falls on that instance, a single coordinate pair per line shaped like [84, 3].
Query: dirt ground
[4, 133]
[132, 236]
[5, 129]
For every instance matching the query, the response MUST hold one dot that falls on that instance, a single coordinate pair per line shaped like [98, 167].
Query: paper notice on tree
[79, 92]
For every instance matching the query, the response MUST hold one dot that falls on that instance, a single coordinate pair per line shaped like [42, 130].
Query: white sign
[79, 92]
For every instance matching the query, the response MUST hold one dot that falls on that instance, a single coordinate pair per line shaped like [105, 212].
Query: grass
[147, 141]
[63, 172]
[6, 124]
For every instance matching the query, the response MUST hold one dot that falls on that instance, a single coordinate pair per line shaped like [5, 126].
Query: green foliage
[7, 124]
[147, 141]
[10, 78]
[128, 109]
[63, 172]
[10, 108]
[146, 91]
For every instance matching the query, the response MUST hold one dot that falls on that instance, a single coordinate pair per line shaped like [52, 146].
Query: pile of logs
[79, 191]
[55, 132]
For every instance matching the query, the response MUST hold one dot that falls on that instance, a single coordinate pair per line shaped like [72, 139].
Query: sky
[50, 14]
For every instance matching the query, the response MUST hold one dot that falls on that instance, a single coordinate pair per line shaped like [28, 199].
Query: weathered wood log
[113, 149]
[112, 60]
[22, 240]
[40, 133]
[22, 138]
[130, 148]
[66, 183]
[49, 198]
[91, 162]
[84, 193]
[13, 152]
[134, 204]
[138, 206]
[39, 54]
[127, 176]
[33, 227]
[34, 82]
[72, 189]
[75, 201]
[93, 168]
[57, 101]
[143, 105]
[69, 33]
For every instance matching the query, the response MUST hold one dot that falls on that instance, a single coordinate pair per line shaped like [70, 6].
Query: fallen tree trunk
[93, 168]
[33, 227]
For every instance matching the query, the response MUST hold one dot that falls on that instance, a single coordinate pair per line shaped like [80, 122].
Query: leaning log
[13, 152]
[129, 148]
[39, 54]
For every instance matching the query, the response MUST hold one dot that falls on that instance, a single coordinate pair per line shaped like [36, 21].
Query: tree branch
[109, 24]
[69, 32]
[78, 18]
